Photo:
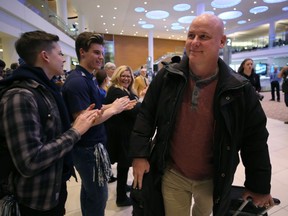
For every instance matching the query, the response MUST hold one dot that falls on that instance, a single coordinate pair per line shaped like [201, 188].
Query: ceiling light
[147, 26]
[139, 9]
[224, 3]
[273, 1]
[181, 7]
[157, 14]
[230, 15]
[285, 9]
[175, 24]
[177, 27]
[259, 9]
[241, 22]
[186, 19]
[141, 22]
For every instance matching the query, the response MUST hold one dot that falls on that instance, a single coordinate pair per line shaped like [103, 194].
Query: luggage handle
[242, 206]
[249, 199]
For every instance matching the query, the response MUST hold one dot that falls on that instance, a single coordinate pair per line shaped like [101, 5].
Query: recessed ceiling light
[241, 22]
[285, 9]
[224, 3]
[186, 19]
[139, 9]
[177, 27]
[259, 9]
[147, 26]
[273, 1]
[157, 14]
[181, 7]
[230, 15]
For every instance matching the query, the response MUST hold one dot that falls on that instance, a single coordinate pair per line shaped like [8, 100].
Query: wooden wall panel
[133, 51]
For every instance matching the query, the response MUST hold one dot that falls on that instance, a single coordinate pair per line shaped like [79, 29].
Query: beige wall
[133, 51]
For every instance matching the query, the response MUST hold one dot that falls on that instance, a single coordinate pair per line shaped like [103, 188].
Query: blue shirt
[274, 76]
[79, 91]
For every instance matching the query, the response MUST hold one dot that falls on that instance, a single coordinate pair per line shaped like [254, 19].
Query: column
[227, 52]
[82, 23]
[61, 11]
[200, 8]
[67, 64]
[150, 50]
[9, 53]
[271, 34]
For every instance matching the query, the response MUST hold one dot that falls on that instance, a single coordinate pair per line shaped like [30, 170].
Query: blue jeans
[93, 197]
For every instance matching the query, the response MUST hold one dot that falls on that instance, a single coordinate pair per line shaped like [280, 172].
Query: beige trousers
[178, 192]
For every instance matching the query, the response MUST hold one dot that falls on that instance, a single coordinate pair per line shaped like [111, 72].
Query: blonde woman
[119, 128]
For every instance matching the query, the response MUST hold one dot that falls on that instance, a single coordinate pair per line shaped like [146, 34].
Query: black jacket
[119, 128]
[240, 125]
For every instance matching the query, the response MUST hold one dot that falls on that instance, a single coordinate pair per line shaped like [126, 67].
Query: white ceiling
[120, 16]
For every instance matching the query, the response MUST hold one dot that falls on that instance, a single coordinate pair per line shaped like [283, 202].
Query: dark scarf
[25, 72]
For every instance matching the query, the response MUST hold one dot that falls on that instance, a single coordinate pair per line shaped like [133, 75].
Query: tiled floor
[278, 145]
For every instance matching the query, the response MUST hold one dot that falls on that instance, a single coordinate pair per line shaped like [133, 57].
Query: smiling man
[89, 155]
[204, 113]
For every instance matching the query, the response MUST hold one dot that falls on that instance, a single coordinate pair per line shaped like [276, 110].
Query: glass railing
[41, 8]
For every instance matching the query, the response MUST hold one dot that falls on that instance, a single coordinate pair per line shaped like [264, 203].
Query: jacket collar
[227, 78]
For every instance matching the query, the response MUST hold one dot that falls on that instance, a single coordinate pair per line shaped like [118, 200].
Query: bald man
[205, 113]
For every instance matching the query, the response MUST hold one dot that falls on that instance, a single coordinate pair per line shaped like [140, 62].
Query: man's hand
[86, 119]
[119, 104]
[131, 105]
[259, 200]
[140, 166]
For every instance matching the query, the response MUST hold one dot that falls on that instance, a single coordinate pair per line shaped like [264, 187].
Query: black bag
[148, 201]
[6, 163]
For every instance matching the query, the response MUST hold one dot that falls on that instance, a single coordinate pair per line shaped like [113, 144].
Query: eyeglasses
[125, 76]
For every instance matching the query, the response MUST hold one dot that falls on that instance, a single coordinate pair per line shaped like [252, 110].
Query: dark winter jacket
[119, 128]
[240, 125]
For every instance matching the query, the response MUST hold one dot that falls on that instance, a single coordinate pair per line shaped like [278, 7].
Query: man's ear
[81, 51]
[44, 56]
[223, 41]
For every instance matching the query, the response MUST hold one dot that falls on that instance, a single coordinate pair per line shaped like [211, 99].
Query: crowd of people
[200, 112]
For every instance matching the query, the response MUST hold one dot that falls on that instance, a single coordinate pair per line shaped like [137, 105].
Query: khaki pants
[178, 191]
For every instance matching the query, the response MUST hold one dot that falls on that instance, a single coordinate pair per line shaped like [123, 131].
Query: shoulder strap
[42, 105]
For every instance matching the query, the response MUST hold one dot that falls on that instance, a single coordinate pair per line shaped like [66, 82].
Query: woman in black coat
[247, 70]
[119, 128]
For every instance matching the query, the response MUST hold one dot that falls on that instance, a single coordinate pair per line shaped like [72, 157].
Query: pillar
[9, 52]
[67, 64]
[200, 8]
[61, 11]
[271, 34]
[150, 51]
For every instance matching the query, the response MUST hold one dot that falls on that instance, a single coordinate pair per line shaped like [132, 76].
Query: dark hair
[14, 65]
[175, 59]
[84, 41]
[101, 75]
[30, 44]
[2, 64]
[241, 68]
